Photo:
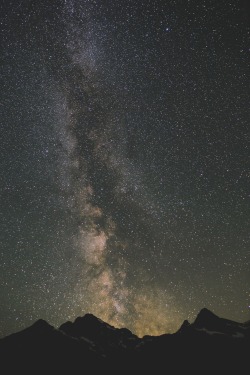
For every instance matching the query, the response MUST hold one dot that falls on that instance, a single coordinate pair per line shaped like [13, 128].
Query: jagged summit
[205, 317]
[209, 322]
[41, 324]
[85, 325]
[87, 318]
[90, 318]
[40, 327]
[206, 312]
[89, 342]
[106, 337]
[89, 324]
[185, 325]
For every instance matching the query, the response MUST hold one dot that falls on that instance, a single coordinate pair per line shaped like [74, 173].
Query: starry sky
[124, 186]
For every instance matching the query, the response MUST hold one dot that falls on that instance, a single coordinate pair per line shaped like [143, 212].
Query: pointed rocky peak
[90, 323]
[91, 328]
[39, 329]
[41, 323]
[90, 319]
[185, 324]
[66, 327]
[86, 326]
[206, 313]
[184, 327]
[41, 326]
[206, 318]
[208, 321]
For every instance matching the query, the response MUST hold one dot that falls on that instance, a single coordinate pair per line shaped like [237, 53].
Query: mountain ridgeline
[88, 345]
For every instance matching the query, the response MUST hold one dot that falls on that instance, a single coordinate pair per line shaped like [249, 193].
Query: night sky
[124, 156]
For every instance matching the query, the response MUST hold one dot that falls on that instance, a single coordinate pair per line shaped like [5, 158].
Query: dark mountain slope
[107, 337]
[88, 345]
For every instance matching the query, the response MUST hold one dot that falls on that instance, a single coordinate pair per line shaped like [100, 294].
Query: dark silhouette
[89, 346]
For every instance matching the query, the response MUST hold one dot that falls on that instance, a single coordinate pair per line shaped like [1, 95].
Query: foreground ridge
[89, 342]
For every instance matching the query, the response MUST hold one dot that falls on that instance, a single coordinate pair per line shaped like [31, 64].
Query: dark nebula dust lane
[124, 162]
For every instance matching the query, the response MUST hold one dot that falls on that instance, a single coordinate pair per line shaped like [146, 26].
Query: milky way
[124, 187]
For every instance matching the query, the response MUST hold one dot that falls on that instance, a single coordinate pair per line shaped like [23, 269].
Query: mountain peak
[184, 327]
[206, 314]
[41, 325]
[206, 319]
[84, 326]
[91, 318]
[90, 321]
[89, 341]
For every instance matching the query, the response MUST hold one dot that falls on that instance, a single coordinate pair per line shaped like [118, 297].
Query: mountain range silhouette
[209, 345]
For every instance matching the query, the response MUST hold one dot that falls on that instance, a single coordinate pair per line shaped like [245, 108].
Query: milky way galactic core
[124, 162]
